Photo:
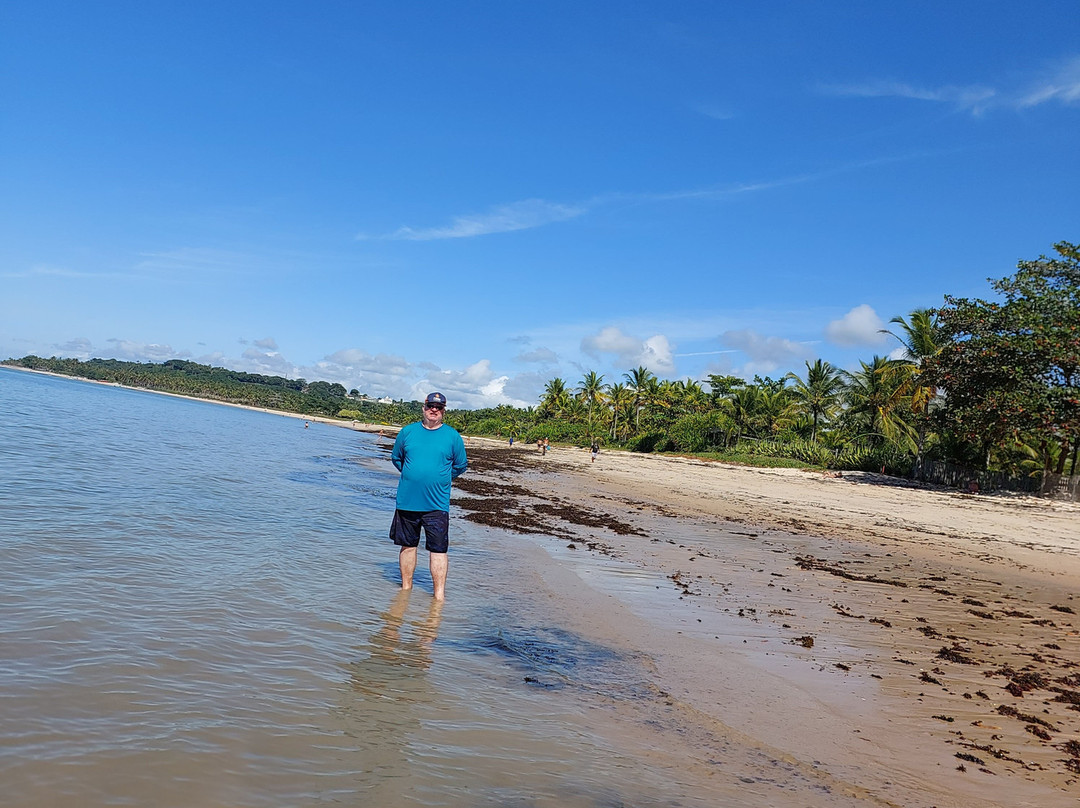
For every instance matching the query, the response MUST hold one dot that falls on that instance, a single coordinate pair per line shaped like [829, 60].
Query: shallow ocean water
[200, 607]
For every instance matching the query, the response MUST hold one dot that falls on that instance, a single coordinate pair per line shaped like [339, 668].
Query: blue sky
[477, 197]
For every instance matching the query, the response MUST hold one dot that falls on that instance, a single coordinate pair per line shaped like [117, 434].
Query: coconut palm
[921, 341]
[620, 397]
[591, 391]
[876, 401]
[817, 396]
[775, 412]
[742, 408]
[637, 380]
[556, 398]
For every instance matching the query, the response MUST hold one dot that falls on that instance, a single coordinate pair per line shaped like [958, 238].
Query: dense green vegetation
[988, 385]
[993, 386]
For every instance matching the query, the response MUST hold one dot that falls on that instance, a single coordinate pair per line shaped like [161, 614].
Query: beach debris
[805, 641]
[811, 563]
[843, 612]
[956, 654]
[1012, 712]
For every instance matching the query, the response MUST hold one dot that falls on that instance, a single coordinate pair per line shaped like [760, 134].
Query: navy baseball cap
[435, 398]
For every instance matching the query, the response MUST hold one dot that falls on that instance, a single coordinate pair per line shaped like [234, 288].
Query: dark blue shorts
[405, 529]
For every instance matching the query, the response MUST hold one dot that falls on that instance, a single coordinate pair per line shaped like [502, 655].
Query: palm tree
[776, 411]
[818, 396]
[654, 396]
[620, 398]
[637, 380]
[591, 391]
[743, 408]
[556, 398]
[921, 342]
[876, 400]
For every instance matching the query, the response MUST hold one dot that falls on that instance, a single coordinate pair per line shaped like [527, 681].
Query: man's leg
[439, 564]
[407, 562]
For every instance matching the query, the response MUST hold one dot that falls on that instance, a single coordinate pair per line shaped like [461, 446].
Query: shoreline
[917, 646]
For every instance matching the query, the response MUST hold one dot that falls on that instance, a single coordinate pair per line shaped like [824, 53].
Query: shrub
[647, 442]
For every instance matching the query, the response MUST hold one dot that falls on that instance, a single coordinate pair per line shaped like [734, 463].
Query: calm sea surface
[199, 607]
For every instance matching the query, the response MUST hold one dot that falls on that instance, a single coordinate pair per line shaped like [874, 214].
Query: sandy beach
[913, 646]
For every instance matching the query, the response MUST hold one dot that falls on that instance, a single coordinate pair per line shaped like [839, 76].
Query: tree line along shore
[989, 386]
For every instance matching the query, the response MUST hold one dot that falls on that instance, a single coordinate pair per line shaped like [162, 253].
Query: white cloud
[474, 387]
[766, 354]
[269, 363]
[860, 326]
[523, 215]
[142, 352]
[358, 361]
[543, 356]
[78, 348]
[268, 344]
[654, 353]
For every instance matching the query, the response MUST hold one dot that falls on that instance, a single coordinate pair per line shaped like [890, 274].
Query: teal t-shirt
[428, 460]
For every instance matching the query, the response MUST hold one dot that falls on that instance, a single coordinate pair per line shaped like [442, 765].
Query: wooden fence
[1054, 486]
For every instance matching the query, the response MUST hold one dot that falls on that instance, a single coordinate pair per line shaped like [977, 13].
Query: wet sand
[907, 645]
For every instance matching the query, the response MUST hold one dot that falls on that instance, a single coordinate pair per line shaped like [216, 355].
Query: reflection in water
[392, 687]
[395, 659]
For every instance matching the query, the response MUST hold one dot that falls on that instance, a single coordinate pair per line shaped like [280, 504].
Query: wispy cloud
[974, 98]
[714, 112]
[524, 215]
[188, 260]
[1058, 83]
[1062, 85]
[45, 271]
[532, 213]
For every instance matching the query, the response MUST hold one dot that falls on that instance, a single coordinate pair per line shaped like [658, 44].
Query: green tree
[818, 395]
[556, 398]
[591, 392]
[876, 404]
[621, 398]
[637, 380]
[920, 336]
[723, 386]
[1013, 368]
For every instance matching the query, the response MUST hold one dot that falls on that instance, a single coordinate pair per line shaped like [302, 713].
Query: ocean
[199, 606]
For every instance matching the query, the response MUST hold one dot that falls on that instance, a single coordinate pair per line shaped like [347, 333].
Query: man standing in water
[429, 455]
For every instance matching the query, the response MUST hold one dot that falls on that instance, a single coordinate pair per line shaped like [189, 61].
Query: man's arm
[397, 454]
[459, 461]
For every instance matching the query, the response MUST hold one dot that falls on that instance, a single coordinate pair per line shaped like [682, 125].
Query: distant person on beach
[429, 455]
[595, 450]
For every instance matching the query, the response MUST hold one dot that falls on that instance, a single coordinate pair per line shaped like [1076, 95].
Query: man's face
[433, 415]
